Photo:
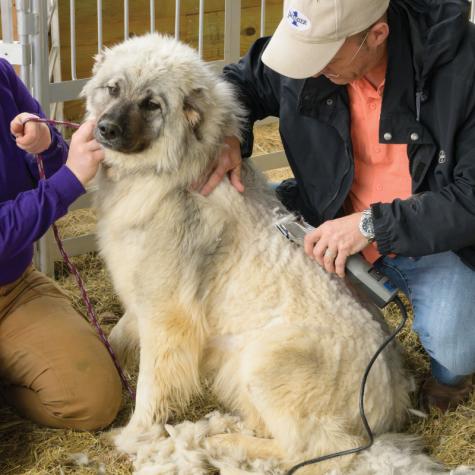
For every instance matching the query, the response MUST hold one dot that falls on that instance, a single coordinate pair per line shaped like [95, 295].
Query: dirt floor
[28, 449]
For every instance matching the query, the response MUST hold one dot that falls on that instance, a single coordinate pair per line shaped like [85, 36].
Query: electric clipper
[362, 274]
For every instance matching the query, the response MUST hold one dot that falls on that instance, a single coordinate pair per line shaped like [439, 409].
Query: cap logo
[297, 20]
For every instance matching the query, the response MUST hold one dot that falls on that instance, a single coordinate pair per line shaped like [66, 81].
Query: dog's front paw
[132, 437]
[127, 440]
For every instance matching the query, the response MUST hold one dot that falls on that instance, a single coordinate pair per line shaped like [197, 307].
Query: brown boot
[442, 396]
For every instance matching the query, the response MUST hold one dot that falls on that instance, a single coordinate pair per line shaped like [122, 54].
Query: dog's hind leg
[233, 447]
[230, 451]
[293, 392]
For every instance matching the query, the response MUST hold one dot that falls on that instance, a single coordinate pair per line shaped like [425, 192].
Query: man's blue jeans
[442, 292]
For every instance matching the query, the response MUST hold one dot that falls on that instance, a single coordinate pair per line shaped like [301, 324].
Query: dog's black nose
[109, 130]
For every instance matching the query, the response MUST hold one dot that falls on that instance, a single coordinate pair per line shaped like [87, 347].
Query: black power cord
[399, 303]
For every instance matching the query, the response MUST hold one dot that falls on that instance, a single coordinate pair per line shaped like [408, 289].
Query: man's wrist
[366, 225]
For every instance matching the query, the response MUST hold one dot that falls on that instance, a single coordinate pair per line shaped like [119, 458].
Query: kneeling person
[53, 368]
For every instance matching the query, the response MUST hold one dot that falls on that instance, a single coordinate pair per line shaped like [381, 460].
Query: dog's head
[157, 104]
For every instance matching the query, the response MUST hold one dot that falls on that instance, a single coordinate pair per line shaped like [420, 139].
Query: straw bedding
[28, 449]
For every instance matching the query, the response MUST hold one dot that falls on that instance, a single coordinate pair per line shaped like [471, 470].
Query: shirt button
[377, 149]
[372, 106]
[387, 136]
[379, 187]
[329, 102]
[414, 137]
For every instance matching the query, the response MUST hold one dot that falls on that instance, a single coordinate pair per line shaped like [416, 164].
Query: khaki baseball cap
[312, 31]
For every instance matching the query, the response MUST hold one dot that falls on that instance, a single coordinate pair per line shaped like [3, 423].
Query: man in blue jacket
[403, 189]
[53, 368]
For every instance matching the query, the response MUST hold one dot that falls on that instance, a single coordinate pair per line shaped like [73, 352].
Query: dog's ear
[98, 60]
[193, 110]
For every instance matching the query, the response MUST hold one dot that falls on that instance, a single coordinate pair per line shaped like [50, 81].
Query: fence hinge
[27, 23]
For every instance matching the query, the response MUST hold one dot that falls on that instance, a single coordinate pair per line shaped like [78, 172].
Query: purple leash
[72, 268]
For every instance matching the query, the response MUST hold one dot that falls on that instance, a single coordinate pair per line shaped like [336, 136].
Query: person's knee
[80, 403]
[457, 355]
[451, 345]
[456, 364]
[87, 403]
[98, 402]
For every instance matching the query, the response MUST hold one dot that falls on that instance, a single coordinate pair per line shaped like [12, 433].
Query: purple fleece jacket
[27, 206]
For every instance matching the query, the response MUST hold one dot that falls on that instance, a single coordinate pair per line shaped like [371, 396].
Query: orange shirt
[381, 170]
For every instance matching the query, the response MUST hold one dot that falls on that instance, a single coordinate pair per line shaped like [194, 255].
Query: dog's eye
[149, 105]
[113, 90]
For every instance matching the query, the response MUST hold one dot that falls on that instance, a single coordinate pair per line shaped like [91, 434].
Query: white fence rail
[37, 27]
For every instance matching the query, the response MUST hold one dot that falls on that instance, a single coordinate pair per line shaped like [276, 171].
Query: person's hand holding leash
[85, 153]
[32, 137]
[229, 161]
[334, 241]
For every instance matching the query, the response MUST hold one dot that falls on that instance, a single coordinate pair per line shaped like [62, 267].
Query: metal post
[55, 56]
[23, 10]
[40, 91]
[200, 28]
[232, 33]
[40, 54]
[263, 17]
[152, 16]
[72, 29]
[177, 19]
[7, 23]
[126, 19]
[40, 60]
[99, 26]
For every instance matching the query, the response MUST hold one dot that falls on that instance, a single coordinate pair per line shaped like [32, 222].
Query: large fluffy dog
[211, 289]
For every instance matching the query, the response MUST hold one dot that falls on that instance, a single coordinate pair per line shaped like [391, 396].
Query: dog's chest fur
[148, 228]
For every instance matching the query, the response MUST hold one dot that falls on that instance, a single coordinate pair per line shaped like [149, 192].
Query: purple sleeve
[26, 218]
[56, 154]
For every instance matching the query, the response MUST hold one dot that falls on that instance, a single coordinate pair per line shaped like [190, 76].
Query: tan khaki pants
[53, 368]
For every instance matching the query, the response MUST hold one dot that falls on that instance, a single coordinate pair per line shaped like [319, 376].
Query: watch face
[367, 226]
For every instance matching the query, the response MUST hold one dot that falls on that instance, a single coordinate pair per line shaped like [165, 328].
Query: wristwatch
[366, 226]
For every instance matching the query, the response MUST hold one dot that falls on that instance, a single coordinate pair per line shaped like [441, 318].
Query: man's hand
[85, 153]
[32, 137]
[334, 241]
[229, 162]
